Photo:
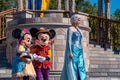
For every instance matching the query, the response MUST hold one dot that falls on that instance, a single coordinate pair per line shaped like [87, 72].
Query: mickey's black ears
[16, 33]
[33, 32]
[53, 33]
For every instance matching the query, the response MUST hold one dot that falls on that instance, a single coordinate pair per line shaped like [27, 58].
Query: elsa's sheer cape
[68, 72]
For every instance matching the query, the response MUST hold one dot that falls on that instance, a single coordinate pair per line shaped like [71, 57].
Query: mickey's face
[43, 39]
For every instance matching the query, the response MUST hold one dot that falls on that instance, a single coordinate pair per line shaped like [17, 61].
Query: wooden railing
[3, 22]
[105, 32]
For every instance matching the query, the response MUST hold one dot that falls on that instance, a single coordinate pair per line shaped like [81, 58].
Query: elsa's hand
[71, 56]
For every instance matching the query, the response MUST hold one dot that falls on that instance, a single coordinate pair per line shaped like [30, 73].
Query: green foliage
[52, 4]
[81, 5]
[5, 4]
[117, 15]
[86, 6]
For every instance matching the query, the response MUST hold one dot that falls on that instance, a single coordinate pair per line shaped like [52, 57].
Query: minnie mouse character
[42, 49]
[22, 66]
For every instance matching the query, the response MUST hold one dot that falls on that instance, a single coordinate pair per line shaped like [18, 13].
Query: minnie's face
[43, 39]
[27, 40]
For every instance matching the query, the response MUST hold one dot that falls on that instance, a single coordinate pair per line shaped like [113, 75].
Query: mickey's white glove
[36, 57]
[41, 59]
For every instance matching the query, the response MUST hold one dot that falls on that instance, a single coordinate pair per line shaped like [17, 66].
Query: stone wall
[59, 24]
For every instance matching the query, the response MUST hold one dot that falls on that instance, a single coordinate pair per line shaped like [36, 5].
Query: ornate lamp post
[100, 31]
[107, 28]
[107, 9]
[100, 7]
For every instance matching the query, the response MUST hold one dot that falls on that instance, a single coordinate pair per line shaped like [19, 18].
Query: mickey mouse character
[22, 66]
[42, 49]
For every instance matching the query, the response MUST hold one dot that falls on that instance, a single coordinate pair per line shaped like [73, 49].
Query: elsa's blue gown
[74, 69]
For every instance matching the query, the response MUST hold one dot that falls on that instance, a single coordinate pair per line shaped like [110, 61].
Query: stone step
[54, 75]
[100, 52]
[51, 77]
[104, 78]
[104, 59]
[105, 62]
[104, 70]
[7, 78]
[105, 55]
[108, 66]
[5, 73]
[94, 46]
[52, 72]
[100, 49]
[104, 74]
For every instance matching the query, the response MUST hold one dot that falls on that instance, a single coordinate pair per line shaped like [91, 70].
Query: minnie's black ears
[53, 33]
[33, 32]
[16, 33]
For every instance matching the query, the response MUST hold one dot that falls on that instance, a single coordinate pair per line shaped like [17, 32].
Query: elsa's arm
[70, 32]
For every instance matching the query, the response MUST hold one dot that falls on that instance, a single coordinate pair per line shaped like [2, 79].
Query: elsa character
[74, 66]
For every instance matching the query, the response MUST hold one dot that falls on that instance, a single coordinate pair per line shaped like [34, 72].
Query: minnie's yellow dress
[22, 65]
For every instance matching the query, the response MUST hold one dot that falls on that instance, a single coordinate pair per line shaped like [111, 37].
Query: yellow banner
[45, 6]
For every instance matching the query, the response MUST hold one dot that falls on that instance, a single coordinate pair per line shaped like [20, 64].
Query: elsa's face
[76, 22]
[75, 19]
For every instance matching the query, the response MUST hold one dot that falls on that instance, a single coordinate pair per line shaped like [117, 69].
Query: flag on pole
[45, 6]
[38, 6]
[29, 4]
[42, 5]
[22, 4]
